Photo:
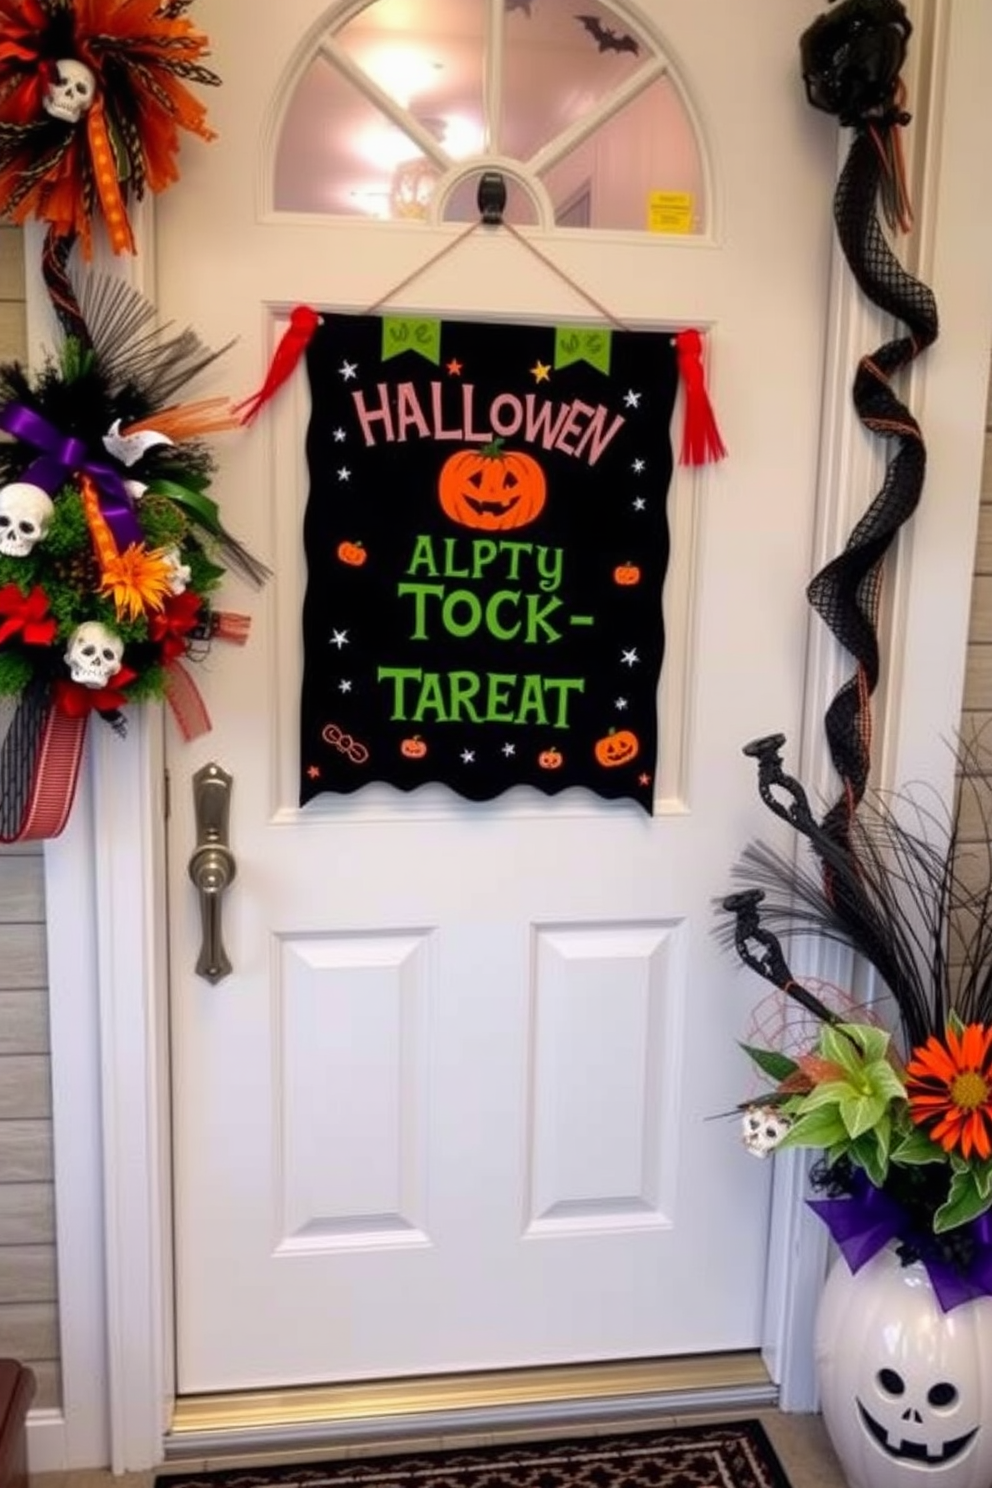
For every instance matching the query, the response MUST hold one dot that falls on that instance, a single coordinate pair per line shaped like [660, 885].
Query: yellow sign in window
[670, 211]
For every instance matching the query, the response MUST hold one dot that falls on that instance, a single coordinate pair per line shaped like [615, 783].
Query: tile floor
[800, 1442]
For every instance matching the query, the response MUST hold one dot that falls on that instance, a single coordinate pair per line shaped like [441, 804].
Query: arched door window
[402, 103]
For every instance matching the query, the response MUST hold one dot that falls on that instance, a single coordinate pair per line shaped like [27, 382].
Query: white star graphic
[620, 704]
[629, 658]
[639, 503]
[339, 436]
[638, 466]
[339, 639]
[344, 474]
[344, 685]
[348, 370]
[509, 749]
[468, 756]
[632, 399]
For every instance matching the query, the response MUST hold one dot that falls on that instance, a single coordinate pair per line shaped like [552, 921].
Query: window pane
[337, 151]
[644, 154]
[557, 67]
[428, 58]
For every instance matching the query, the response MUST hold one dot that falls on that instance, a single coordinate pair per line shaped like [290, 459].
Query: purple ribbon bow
[864, 1223]
[63, 456]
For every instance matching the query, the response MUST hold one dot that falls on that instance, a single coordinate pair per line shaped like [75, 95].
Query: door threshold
[463, 1409]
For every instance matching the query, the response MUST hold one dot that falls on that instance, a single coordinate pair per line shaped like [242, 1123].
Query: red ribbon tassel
[295, 339]
[701, 440]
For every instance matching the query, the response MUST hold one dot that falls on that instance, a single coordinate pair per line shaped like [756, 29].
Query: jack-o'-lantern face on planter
[550, 759]
[906, 1388]
[618, 747]
[413, 748]
[492, 488]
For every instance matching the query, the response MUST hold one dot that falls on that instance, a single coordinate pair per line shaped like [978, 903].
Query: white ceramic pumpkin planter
[906, 1388]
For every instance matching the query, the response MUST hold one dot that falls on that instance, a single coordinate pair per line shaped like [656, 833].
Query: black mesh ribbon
[40, 756]
[846, 592]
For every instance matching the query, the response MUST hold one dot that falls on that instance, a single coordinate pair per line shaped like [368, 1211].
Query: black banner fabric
[486, 541]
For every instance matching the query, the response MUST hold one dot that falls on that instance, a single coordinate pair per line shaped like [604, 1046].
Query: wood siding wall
[28, 1291]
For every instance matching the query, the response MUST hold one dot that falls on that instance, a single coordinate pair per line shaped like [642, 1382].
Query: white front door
[453, 1107]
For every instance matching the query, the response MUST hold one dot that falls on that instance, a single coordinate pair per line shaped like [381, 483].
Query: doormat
[736, 1454]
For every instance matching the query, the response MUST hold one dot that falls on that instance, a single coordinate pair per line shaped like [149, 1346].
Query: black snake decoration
[851, 60]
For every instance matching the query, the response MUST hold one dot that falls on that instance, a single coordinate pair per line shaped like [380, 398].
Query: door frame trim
[105, 876]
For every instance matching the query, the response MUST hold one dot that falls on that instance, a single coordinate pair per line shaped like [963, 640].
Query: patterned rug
[733, 1455]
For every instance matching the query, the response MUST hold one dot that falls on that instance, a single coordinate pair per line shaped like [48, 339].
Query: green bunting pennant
[590, 344]
[411, 333]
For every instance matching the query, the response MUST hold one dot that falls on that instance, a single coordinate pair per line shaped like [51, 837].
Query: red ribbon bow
[26, 615]
[75, 700]
[171, 625]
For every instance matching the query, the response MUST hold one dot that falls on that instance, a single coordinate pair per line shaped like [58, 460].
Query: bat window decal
[606, 39]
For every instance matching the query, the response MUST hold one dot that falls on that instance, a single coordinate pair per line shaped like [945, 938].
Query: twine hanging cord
[543, 258]
[701, 441]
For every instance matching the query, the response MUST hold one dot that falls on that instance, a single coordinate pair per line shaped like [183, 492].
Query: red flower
[76, 700]
[172, 624]
[949, 1087]
[26, 615]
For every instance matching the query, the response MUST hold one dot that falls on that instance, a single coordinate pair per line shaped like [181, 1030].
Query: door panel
[452, 1109]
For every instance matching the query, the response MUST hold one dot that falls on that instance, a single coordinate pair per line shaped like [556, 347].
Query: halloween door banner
[486, 541]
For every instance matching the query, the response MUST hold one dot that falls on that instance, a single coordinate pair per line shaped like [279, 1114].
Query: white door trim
[105, 878]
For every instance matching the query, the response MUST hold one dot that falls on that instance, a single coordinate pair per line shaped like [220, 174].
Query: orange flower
[137, 580]
[949, 1087]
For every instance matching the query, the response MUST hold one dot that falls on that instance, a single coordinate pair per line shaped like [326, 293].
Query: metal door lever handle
[212, 867]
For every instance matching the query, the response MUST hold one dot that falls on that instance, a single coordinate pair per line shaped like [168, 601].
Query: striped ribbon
[56, 774]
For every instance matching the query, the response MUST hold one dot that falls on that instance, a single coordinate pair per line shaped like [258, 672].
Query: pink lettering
[369, 416]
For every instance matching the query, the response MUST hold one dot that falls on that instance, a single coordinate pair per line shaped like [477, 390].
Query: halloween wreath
[92, 97]
[111, 547]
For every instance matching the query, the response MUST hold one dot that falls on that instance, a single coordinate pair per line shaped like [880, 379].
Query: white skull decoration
[94, 654]
[72, 93]
[25, 517]
[763, 1128]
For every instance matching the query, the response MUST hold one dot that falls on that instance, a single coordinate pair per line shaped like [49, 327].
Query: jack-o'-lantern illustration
[550, 759]
[413, 748]
[352, 553]
[626, 574]
[491, 487]
[618, 747]
[906, 1388]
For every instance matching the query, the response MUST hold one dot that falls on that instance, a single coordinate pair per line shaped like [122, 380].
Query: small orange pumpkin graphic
[618, 747]
[413, 748]
[550, 759]
[352, 553]
[491, 487]
[626, 573]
